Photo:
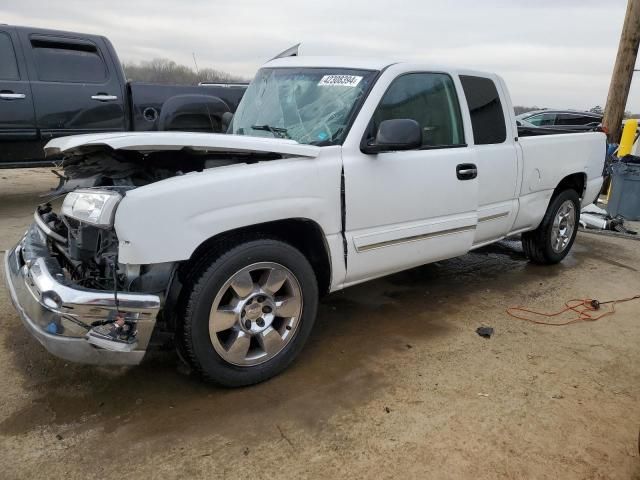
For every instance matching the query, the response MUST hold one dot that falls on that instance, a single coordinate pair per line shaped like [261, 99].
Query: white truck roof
[329, 62]
[367, 64]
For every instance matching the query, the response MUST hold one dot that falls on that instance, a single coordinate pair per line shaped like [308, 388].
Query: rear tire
[249, 312]
[552, 240]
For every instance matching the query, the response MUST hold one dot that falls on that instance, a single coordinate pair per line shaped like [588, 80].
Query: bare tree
[165, 71]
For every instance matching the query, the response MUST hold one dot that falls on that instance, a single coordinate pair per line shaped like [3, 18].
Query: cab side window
[485, 108]
[428, 98]
[74, 62]
[8, 63]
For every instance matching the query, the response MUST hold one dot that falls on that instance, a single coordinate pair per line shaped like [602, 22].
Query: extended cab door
[17, 122]
[75, 88]
[408, 208]
[495, 153]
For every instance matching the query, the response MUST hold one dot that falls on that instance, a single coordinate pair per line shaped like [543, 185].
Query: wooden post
[623, 71]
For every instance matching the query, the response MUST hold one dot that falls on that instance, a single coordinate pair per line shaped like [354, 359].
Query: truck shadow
[361, 337]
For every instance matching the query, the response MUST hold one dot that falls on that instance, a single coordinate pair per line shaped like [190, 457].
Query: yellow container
[628, 136]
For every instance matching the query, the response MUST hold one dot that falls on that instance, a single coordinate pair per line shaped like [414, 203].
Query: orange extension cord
[583, 308]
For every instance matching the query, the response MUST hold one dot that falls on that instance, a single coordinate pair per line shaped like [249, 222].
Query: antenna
[195, 62]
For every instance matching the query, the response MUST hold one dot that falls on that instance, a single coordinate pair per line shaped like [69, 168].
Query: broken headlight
[96, 207]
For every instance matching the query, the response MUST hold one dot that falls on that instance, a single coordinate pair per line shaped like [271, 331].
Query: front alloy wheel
[255, 314]
[248, 311]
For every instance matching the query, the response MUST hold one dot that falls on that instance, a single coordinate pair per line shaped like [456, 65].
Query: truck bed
[547, 159]
[192, 108]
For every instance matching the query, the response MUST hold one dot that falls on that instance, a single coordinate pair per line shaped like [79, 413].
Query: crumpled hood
[163, 141]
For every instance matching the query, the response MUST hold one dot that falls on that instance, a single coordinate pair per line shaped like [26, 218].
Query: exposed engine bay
[131, 169]
[89, 253]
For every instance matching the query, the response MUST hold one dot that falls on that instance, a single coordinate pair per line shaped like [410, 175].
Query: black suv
[562, 119]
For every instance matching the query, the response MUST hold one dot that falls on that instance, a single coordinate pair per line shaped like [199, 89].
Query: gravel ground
[394, 383]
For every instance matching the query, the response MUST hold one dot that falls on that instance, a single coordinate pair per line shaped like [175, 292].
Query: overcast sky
[555, 53]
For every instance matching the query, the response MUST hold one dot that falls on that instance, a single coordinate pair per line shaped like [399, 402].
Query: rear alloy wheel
[564, 223]
[554, 237]
[249, 312]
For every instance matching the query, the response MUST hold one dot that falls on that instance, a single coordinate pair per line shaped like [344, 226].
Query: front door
[75, 88]
[408, 208]
[18, 134]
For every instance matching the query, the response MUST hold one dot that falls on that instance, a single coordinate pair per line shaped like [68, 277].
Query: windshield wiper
[278, 132]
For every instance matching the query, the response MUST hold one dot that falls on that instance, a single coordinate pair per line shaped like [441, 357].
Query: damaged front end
[135, 159]
[64, 276]
[101, 165]
[65, 281]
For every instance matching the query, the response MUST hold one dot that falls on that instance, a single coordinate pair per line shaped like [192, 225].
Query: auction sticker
[340, 80]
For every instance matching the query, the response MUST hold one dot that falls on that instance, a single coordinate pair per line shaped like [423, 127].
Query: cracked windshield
[312, 106]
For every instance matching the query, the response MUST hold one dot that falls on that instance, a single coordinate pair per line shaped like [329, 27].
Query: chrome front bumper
[58, 313]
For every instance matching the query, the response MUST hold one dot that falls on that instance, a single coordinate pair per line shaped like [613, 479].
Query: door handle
[12, 96]
[103, 97]
[466, 171]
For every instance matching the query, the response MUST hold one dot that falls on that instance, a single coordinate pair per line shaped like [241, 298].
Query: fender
[167, 220]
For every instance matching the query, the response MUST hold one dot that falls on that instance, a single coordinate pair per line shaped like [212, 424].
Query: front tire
[249, 312]
[554, 237]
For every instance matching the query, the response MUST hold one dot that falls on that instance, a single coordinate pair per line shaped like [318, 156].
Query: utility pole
[623, 71]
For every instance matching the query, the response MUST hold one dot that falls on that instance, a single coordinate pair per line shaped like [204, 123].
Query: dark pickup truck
[56, 83]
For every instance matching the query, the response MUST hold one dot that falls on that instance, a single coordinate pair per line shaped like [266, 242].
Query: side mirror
[396, 134]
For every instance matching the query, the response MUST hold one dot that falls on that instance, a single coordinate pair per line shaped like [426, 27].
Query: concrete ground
[394, 383]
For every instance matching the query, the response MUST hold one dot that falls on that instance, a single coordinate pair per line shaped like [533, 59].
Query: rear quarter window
[575, 119]
[60, 61]
[485, 108]
[569, 119]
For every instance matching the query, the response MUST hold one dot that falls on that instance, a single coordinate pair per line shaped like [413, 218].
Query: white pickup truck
[335, 171]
